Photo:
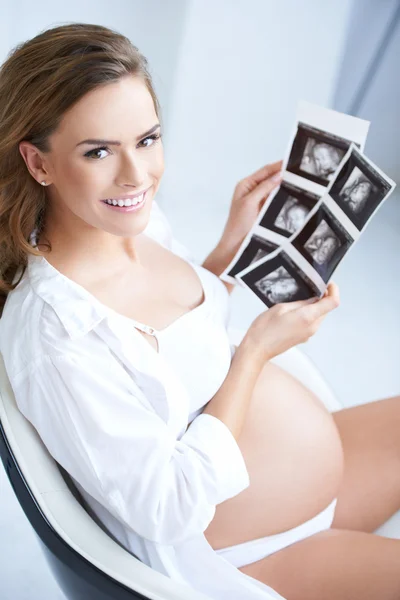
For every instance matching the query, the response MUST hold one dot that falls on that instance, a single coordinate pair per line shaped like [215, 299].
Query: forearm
[218, 260]
[230, 403]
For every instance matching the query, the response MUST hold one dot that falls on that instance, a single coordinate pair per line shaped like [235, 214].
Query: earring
[43, 183]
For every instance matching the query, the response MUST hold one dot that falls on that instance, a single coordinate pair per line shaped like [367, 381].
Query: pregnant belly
[294, 457]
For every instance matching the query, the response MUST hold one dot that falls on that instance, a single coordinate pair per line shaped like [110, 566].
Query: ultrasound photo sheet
[303, 264]
[319, 141]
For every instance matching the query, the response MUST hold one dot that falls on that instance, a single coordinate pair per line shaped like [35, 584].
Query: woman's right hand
[287, 324]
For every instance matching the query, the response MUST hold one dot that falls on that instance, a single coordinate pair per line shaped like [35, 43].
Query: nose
[133, 172]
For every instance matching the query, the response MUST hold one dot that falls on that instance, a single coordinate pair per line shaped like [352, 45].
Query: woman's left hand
[248, 199]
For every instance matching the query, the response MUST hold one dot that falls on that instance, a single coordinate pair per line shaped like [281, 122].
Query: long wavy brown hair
[39, 81]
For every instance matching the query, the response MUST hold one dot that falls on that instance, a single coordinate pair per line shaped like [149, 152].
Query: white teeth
[127, 202]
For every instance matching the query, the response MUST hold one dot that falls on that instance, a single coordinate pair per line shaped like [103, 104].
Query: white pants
[253, 550]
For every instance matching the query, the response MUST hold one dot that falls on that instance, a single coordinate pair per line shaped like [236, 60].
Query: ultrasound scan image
[292, 215]
[323, 243]
[278, 286]
[259, 254]
[356, 191]
[321, 159]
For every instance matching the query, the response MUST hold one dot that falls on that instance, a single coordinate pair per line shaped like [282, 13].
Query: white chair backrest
[68, 517]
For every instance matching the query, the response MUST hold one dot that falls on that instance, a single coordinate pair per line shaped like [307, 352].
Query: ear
[34, 161]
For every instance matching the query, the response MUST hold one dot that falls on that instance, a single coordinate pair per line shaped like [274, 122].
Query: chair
[85, 560]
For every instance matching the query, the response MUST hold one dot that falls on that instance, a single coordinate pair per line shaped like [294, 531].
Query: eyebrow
[116, 142]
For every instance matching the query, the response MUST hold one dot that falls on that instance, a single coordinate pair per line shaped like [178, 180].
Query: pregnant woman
[207, 461]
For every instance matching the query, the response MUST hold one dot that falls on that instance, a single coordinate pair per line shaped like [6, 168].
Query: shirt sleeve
[97, 424]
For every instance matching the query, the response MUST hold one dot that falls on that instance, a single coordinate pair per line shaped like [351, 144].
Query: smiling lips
[127, 204]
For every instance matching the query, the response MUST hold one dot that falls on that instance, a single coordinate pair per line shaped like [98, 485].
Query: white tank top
[196, 345]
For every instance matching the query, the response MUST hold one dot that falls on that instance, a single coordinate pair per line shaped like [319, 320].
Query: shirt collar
[78, 310]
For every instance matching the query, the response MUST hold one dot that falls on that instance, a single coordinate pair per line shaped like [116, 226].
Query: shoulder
[19, 326]
[29, 329]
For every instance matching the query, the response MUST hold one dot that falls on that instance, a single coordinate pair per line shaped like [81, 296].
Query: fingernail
[277, 177]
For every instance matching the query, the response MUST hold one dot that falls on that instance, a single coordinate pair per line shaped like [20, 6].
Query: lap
[370, 488]
[333, 564]
[369, 493]
[326, 565]
[348, 560]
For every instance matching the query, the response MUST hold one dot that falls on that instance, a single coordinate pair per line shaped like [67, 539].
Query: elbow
[175, 528]
[169, 525]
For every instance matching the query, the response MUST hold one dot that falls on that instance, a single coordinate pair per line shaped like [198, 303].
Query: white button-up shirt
[114, 415]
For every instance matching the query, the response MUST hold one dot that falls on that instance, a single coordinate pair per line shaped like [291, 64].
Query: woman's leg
[348, 562]
[370, 489]
[335, 564]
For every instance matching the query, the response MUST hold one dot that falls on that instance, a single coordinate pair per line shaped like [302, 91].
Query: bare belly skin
[294, 457]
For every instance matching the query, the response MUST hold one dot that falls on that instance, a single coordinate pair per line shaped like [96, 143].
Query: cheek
[80, 184]
[90, 181]
[80, 175]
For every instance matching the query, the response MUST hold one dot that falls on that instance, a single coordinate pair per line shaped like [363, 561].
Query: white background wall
[229, 75]
[242, 68]
[241, 73]
[363, 337]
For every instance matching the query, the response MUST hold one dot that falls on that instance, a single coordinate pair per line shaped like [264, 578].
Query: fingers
[318, 321]
[328, 302]
[265, 187]
[295, 304]
[266, 171]
[331, 291]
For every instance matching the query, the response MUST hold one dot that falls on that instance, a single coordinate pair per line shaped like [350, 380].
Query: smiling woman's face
[82, 176]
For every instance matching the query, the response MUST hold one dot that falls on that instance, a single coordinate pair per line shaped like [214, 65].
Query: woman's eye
[153, 139]
[91, 152]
